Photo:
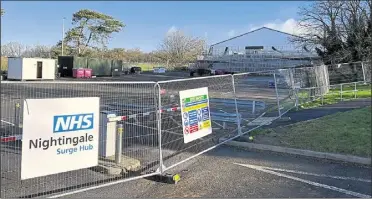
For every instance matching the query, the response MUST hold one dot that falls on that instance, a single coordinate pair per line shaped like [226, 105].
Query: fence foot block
[166, 178]
[108, 166]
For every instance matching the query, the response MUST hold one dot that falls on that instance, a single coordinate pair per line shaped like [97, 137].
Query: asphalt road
[262, 175]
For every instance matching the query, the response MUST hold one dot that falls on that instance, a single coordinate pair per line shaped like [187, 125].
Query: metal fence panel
[345, 73]
[367, 71]
[260, 90]
[285, 89]
[221, 101]
[135, 105]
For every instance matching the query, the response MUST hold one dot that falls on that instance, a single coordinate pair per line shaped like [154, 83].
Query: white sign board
[196, 118]
[59, 135]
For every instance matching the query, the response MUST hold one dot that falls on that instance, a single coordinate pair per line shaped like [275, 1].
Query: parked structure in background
[31, 68]
[100, 67]
[259, 50]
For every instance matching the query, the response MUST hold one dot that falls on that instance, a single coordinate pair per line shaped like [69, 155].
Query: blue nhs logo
[64, 123]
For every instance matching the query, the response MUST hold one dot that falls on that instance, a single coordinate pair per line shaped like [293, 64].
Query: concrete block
[108, 165]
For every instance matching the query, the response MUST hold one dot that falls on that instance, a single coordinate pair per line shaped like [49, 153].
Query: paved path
[231, 172]
[309, 114]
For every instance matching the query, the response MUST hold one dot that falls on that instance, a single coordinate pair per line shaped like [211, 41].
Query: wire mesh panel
[346, 73]
[256, 99]
[222, 111]
[134, 105]
[367, 71]
[285, 90]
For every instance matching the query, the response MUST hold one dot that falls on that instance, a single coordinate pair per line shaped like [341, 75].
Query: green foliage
[91, 30]
[342, 29]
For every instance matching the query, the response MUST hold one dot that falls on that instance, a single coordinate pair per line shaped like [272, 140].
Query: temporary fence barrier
[260, 88]
[155, 121]
[140, 149]
[178, 142]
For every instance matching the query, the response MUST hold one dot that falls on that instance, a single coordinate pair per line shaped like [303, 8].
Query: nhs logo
[65, 123]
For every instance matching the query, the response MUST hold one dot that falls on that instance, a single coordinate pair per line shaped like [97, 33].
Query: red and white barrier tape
[123, 118]
[11, 138]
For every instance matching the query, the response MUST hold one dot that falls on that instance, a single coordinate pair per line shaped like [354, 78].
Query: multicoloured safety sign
[195, 112]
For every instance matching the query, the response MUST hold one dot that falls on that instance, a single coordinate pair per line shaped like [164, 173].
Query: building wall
[15, 68]
[29, 69]
[260, 37]
[26, 68]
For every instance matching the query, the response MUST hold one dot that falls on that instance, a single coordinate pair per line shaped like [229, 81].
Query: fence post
[355, 90]
[277, 95]
[341, 91]
[17, 115]
[236, 107]
[364, 73]
[158, 117]
[296, 93]
[119, 140]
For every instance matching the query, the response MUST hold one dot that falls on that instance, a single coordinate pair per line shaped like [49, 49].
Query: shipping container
[100, 67]
[67, 63]
[116, 67]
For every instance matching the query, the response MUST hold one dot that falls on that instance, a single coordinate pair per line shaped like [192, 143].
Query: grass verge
[334, 95]
[344, 133]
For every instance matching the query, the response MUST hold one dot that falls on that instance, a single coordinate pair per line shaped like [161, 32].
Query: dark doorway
[39, 70]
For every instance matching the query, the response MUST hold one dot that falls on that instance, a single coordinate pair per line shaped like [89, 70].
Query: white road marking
[319, 175]
[344, 191]
[7, 122]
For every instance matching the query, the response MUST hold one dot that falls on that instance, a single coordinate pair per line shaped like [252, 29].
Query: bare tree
[178, 48]
[338, 29]
[13, 49]
[41, 51]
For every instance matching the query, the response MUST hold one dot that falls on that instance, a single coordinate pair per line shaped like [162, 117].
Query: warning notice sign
[195, 112]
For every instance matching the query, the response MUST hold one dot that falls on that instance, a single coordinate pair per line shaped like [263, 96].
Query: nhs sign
[65, 123]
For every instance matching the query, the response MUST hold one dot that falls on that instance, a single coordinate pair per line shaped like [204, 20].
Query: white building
[31, 68]
[259, 50]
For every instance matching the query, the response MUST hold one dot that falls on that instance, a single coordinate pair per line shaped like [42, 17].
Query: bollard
[341, 92]
[118, 148]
